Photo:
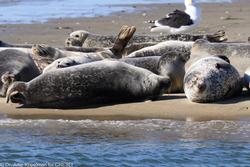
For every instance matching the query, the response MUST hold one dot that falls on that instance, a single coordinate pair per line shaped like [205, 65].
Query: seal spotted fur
[87, 84]
[211, 79]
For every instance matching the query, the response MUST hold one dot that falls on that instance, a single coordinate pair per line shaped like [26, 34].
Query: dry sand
[233, 18]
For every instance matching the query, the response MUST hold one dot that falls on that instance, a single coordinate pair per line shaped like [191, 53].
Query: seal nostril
[201, 87]
[17, 98]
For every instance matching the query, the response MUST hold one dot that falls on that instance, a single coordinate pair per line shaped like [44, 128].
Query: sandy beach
[231, 17]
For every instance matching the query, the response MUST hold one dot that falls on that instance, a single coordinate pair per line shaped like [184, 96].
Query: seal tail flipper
[122, 39]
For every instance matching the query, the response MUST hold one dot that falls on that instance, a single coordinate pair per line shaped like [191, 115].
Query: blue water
[125, 143]
[28, 11]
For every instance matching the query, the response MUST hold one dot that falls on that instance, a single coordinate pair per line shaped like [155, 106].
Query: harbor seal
[86, 39]
[211, 79]
[15, 66]
[171, 65]
[101, 81]
[164, 48]
[115, 51]
[239, 53]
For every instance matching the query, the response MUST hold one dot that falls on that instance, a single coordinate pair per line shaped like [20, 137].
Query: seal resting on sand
[115, 51]
[211, 79]
[15, 66]
[105, 81]
[86, 39]
[164, 48]
[171, 65]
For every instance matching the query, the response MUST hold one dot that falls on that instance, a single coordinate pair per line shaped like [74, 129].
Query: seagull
[179, 21]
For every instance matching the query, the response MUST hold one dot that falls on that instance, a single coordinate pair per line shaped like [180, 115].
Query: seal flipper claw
[7, 79]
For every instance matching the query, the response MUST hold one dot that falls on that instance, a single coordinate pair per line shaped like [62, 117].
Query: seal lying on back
[164, 48]
[211, 79]
[171, 65]
[85, 84]
[15, 66]
[87, 39]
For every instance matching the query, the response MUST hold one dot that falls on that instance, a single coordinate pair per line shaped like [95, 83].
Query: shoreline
[171, 106]
[231, 17]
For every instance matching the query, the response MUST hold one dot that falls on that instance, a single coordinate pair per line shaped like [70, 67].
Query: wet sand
[233, 18]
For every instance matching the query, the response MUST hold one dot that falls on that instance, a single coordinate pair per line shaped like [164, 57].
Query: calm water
[125, 143]
[28, 11]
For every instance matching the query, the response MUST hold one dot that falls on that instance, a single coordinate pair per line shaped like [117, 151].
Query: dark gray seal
[15, 66]
[88, 84]
[211, 79]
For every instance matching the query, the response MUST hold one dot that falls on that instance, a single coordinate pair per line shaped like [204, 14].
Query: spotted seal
[164, 48]
[171, 65]
[86, 39]
[211, 79]
[15, 65]
[90, 83]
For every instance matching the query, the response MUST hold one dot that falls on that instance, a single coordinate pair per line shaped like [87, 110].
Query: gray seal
[125, 34]
[105, 81]
[211, 79]
[171, 65]
[164, 48]
[86, 39]
[15, 66]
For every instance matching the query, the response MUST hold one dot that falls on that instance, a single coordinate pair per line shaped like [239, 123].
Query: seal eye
[77, 36]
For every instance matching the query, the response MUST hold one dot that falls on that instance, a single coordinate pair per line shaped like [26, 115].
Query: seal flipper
[7, 79]
[124, 36]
